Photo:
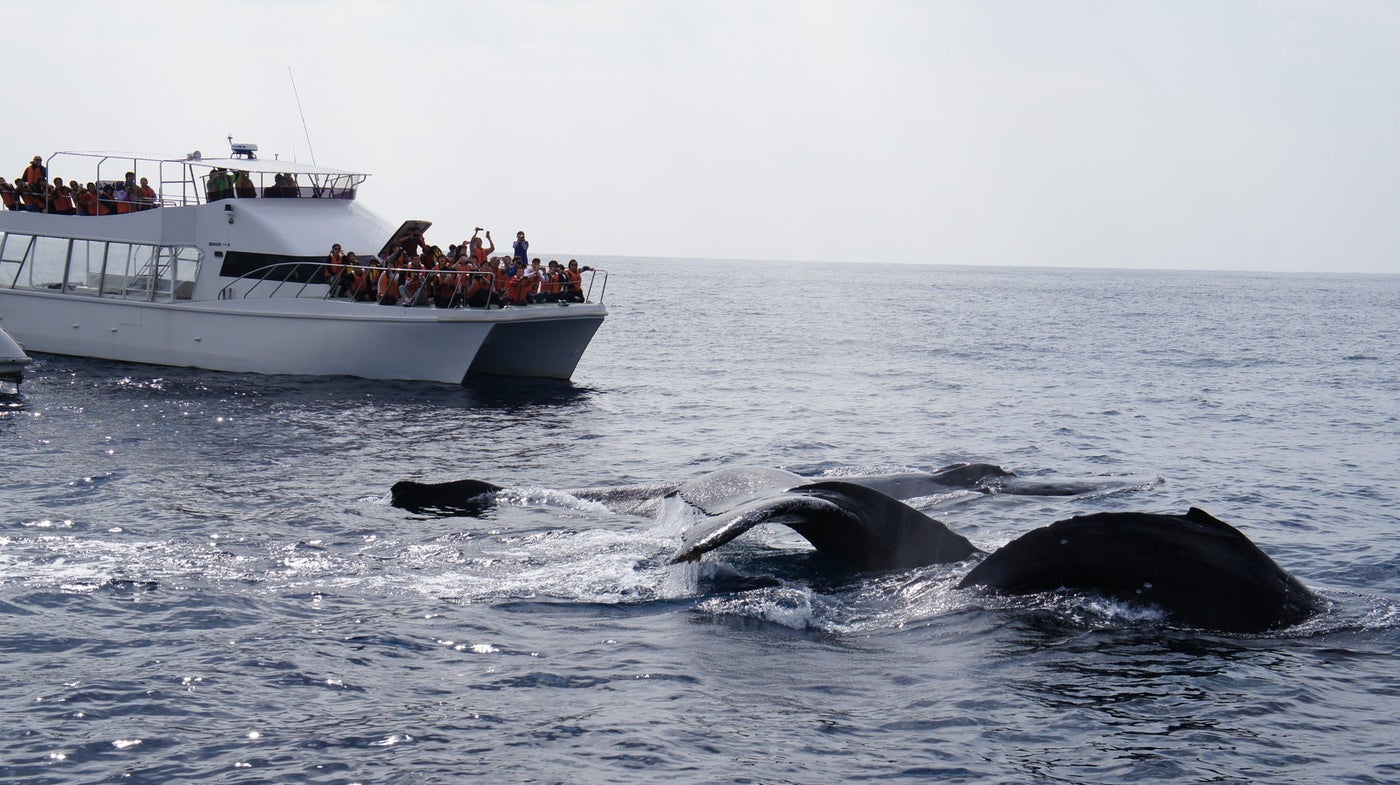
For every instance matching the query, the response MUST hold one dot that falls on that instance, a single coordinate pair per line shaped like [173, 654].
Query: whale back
[1199, 570]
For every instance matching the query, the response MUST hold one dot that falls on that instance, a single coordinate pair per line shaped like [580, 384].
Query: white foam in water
[535, 496]
[789, 606]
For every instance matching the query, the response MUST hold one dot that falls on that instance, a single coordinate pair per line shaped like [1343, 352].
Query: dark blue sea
[202, 579]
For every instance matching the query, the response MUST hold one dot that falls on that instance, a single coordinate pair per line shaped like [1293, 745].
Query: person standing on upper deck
[146, 195]
[522, 249]
[35, 172]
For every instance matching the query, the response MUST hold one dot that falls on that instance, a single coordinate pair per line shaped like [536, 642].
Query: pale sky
[1222, 134]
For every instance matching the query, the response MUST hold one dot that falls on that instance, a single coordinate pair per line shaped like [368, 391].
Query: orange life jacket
[62, 199]
[388, 285]
[553, 283]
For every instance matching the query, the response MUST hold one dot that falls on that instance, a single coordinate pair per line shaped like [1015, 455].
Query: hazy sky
[1222, 134]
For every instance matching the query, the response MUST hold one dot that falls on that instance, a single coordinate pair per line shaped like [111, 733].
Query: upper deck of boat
[192, 179]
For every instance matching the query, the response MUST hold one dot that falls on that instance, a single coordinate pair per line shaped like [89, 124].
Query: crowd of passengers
[417, 274]
[235, 183]
[32, 192]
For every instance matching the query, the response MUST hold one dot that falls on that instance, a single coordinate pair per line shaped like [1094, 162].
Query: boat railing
[307, 280]
[593, 273]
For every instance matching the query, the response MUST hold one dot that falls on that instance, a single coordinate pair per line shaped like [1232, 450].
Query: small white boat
[12, 360]
[209, 275]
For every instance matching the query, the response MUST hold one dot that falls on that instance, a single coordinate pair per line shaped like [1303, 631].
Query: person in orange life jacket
[413, 282]
[333, 272]
[525, 284]
[61, 199]
[145, 195]
[446, 283]
[573, 283]
[478, 253]
[478, 289]
[551, 283]
[32, 196]
[389, 282]
[34, 172]
[360, 289]
[86, 197]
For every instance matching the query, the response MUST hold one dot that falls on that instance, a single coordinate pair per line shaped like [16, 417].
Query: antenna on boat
[303, 115]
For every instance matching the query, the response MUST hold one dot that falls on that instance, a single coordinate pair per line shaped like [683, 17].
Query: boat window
[96, 267]
[132, 271]
[85, 267]
[183, 265]
[224, 184]
[47, 258]
[275, 267]
[13, 250]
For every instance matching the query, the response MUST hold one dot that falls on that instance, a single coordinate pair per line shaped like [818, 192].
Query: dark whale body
[1201, 571]
[468, 497]
[1198, 570]
[863, 527]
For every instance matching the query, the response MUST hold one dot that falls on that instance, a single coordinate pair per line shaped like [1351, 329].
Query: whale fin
[858, 525]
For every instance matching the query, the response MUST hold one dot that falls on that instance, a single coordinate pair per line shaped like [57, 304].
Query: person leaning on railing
[145, 195]
[8, 195]
[60, 199]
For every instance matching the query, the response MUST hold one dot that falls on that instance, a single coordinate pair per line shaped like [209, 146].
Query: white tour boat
[230, 278]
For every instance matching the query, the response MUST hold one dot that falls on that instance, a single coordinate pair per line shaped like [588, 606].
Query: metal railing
[307, 279]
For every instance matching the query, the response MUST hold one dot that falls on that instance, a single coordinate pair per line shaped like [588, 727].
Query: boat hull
[307, 337]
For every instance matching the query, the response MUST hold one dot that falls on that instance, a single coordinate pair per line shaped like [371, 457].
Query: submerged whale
[1198, 570]
[716, 488]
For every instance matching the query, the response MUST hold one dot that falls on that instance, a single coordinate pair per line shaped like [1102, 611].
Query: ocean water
[202, 580]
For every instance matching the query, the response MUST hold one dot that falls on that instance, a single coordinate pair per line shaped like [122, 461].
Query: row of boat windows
[99, 268]
[235, 184]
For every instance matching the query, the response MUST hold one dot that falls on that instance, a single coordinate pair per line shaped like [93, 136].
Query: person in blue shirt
[522, 248]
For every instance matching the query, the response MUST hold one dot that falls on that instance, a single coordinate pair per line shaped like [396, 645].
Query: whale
[863, 527]
[459, 497]
[724, 486]
[1196, 568]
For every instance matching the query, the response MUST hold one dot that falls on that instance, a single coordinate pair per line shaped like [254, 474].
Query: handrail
[588, 295]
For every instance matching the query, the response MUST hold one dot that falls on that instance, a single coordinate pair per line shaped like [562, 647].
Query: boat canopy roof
[250, 165]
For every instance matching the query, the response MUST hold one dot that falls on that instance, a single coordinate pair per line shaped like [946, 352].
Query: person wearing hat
[35, 172]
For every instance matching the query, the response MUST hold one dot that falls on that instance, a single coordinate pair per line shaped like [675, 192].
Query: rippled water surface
[201, 579]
